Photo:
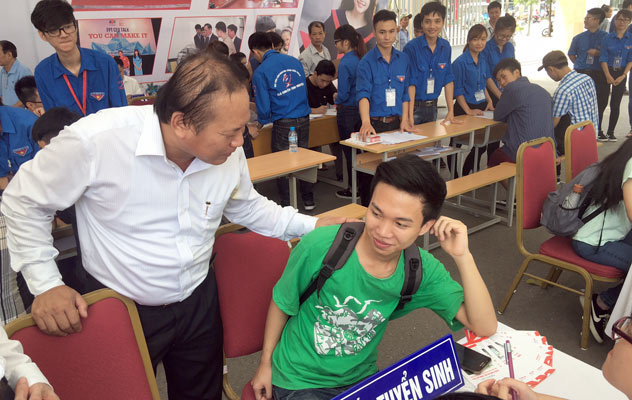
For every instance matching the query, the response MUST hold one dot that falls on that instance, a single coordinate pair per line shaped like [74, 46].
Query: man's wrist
[463, 259]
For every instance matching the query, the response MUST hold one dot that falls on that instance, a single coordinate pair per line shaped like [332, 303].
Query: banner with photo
[99, 5]
[251, 4]
[131, 39]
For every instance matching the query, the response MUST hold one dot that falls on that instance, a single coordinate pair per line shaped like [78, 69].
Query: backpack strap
[338, 254]
[413, 273]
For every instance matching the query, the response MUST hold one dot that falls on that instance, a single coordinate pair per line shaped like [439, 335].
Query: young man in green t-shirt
[329, 343]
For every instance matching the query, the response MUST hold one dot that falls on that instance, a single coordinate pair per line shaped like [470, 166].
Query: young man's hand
[490, 106]
[502, 389]
[406, 126]
[452, 235]
[450, 119]
[474, 112]
[38, 391]
[610, 80]
[319, 110]
[262, 381]
[619, 80]
[365, 130]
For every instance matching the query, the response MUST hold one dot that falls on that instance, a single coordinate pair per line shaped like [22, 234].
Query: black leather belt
[426, 103]
[385, 120]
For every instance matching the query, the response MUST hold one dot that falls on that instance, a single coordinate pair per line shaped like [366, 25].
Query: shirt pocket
[207, 216]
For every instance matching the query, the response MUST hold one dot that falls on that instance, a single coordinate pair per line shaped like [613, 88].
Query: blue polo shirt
[469, 77]
[8, 80]
[105, 86]
[613, 47]
[375, 75]
[492, 55]
[279, 87]
[424, 63]
[581, 44]
[347, 79]
[16, 142]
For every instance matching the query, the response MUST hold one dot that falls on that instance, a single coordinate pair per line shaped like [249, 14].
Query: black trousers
[468, 164]
[187, 337]
[559, 132]
[603, 91]
[364, 180]
[615, 98]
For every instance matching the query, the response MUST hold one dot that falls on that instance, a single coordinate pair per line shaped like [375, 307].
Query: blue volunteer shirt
[492, 55]
[581, 44]
[375, 75]
[424, 63]
[347, 70]
[104, 84]
[8, 80]
[469, 77]
[279, 87]
[17, 145]
[612, 47]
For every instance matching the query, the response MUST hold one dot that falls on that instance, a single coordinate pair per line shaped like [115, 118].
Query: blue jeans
[307, 394]
[348, 121]
[424, 113]
[616, 254]
[280, 130]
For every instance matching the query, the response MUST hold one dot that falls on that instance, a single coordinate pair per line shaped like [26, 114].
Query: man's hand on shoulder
[38, 391]
[325, 221]
[452, 235]
[58, 311]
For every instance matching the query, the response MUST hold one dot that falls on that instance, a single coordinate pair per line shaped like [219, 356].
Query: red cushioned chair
[107, 360]
[580, 148]
[535, 179]
[247, 267]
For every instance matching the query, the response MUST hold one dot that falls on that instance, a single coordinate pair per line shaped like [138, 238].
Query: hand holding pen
[509, 361]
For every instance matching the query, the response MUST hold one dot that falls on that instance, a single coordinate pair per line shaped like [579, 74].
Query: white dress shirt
[14, 364]
[310, 57]
[146, 227]
[132, 87]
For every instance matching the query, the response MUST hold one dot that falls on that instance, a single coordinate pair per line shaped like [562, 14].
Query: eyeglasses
[620, 19]
[68, 29]
[504, 37]
[619, 329]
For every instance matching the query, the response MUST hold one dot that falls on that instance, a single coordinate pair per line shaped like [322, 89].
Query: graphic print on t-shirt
[285, 81]
[344, 330]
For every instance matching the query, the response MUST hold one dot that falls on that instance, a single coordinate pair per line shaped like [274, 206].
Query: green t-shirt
[615, 222]
[332, 340]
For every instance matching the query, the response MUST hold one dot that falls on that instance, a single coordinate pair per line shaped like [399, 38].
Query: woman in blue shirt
[350, 43]
[138, 63]
[498, 48]
[471, 73]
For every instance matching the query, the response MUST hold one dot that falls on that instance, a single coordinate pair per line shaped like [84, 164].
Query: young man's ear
[425, 227]
[42, 36]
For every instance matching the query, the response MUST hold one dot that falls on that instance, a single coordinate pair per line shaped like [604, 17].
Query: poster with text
[191, 34]
[131, 38]
[100, 5]
[250, 4]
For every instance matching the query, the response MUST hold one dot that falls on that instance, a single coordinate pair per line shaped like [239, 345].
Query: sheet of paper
[487, 114]
[331, 111]
[399, 137]
[314, 116]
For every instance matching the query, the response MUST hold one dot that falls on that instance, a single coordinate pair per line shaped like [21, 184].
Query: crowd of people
[149, 234]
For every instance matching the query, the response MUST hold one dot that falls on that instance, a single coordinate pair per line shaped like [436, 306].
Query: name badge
[390, 97]
[617, 62]
[479, 95]
[590, 59]
[430, 85]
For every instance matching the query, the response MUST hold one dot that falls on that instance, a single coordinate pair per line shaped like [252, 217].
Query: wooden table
[322, 131]
[303, 165]
[433, 132]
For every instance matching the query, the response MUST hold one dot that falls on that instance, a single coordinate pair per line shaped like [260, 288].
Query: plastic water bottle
[571, 201]
[292, 140]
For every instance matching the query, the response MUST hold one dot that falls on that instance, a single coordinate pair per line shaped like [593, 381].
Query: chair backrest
[580, 147]
[142, 101]
[247, 267]
[108, 359]
[536, 178]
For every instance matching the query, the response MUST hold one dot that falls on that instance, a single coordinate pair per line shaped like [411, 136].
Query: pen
[511, 368]
[208, 203]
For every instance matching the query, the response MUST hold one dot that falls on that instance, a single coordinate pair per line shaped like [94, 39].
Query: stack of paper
[431, 151]
[532, 356]
[399, 137]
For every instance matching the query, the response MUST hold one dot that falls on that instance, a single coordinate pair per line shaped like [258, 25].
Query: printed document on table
[399, 137]
[487, 115]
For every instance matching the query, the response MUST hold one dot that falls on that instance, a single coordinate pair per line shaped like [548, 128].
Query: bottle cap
[577, 188]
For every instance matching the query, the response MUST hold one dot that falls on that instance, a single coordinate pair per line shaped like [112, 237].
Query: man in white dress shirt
[150, 186]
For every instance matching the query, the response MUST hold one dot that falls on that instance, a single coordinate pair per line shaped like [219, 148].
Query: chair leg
[586, 316]
[514, 284]
[553, 276]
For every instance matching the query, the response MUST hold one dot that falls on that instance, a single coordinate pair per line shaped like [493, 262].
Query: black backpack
[563, 221]
[341, 249]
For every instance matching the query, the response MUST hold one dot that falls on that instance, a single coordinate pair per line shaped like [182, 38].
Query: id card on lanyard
[479, 95]
[81, 106]
[390, 93]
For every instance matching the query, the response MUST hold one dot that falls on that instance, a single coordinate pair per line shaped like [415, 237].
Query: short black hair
[325, 67]
[626, 4]
[218, 47]
[207, 25]
[119, 62]
[432, 7]
[417, 22]
[198, 26]
[232, 27]
[49, 15]
[264, 23]
[505, 22]
[510, 64]
[9, 47]
[241, 71]
[494, 4]
[239, 57]
[51, 123]
[276, 39]
[418, 177]
[384, 15]
[597, 13]
[220, 26]
[259, 41]
[627, 14]
[194, 87]
[26, 89]
[314, 24]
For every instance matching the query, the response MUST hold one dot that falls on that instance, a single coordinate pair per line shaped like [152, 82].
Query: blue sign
[425, 374]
